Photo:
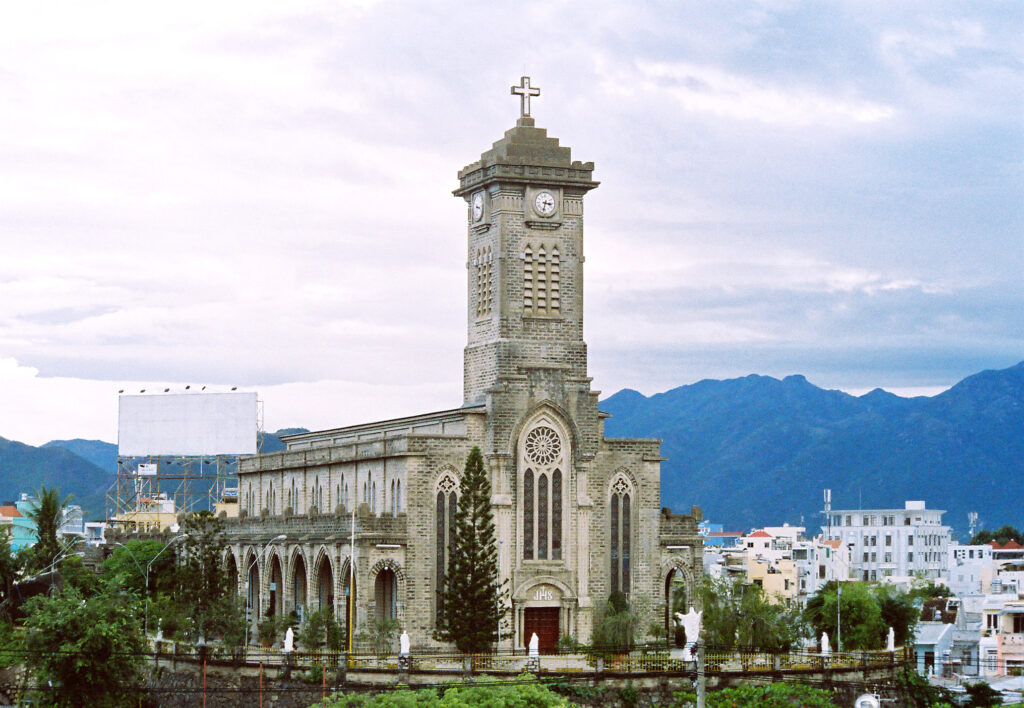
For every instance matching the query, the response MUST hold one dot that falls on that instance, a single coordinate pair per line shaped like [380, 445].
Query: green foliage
[204, 579]
[47, 514]
[899, 611]
[770, 696]
[88, 649]
[270, 630]
[522, 692]
[615, 628]
[568, 644]
[11, 567]
[629, 695]
[866, 613]
[1001, 535]
[917, 692]
[76, 575]
[126, 566]
[319, 629]
[381, 635]
[738, 615]
[982, 695]
[471, 581]
[928, 590]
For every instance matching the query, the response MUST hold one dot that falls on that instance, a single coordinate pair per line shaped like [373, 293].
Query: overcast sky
[259, 195]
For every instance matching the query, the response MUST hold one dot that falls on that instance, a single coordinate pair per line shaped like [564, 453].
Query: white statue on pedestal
[289, 640]
[691, 627]
[534, 646]
[890, 642]
[825, 648]
[403, 644]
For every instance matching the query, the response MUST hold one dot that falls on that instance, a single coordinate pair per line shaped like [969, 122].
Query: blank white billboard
[189, 424]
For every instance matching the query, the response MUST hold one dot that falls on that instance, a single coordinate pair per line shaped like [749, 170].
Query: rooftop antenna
[828, 511]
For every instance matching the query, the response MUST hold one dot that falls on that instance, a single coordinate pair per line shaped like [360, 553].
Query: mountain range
[758, 450]
[749, 451]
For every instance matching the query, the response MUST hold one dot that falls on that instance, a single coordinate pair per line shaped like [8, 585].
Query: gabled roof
[760, 534]
[1010, 545]
[834, 543]
[9, 510]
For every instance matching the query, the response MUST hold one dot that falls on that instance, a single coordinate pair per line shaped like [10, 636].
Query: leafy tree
[319, 629]
[738, 615]
[89, 650]
[615, 629]
[381, 635]
[126, 567]
[1001, 535]
[471, 583]
[77, 575]
[47, 514]
[982, 695]
[11, 566]
[899, 611]
[917, 692]
[928, 590]
[861, 616]
[204, 581]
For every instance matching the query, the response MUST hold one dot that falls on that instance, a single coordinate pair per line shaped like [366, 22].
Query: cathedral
[361, 517]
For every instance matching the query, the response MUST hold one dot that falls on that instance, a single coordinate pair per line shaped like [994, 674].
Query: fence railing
[716, 660]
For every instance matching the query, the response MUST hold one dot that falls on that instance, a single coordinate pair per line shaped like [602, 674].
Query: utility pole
[700, 674]
[839, 626]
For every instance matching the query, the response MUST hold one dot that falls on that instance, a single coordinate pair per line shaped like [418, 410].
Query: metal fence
[646, 661]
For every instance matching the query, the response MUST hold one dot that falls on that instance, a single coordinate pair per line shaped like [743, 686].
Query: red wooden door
[543, 621]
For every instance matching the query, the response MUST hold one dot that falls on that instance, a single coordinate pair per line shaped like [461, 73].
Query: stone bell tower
[525, 257]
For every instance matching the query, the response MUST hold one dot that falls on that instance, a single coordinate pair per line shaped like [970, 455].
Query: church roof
[524, 153]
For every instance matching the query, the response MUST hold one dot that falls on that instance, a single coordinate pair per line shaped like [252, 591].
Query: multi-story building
[893, 542]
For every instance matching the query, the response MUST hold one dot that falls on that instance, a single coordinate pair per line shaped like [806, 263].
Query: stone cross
[524, 91]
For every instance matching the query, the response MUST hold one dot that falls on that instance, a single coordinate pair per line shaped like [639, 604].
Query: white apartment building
[893, 542]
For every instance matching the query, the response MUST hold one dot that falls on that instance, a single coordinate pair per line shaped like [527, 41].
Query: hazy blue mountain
[102, 454]
[757, 450]
[24, 468]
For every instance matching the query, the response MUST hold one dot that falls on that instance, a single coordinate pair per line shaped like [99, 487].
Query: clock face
[544, 204]
[478, 206]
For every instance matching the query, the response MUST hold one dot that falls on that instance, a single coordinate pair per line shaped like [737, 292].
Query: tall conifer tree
[472, 595]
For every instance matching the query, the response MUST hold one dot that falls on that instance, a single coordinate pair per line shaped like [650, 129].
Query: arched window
[373, 498]
[444, 519]
[542, 494]
[398, 496]
[619, 511]
[542, 276]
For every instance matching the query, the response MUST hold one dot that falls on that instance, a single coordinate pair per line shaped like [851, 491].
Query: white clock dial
[478, 207]
[544, 204]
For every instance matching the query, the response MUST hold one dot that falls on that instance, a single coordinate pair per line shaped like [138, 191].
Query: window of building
[541, 281]
[484, 265]
[888, 540]
[888, 557]
[906, 521]
[849, 521]
[910, 557]
[542, 495]
[1018, 624]
[910, 540]
[619, 512]
[444, 529]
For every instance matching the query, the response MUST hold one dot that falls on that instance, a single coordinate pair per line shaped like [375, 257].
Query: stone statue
[403, 644]
[289, 640]
[890, 643]
[159, 631]
[534, 645]
[825, 648]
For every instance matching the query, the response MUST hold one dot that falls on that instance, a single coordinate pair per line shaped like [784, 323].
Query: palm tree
[47, 514]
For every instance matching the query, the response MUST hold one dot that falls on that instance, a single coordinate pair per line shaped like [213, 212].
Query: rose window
[543, 446]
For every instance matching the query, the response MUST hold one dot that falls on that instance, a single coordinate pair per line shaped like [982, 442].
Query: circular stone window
[543, 446]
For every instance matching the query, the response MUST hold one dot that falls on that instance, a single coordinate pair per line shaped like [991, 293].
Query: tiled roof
[9, 510]
[1010, 545]
[760, 534]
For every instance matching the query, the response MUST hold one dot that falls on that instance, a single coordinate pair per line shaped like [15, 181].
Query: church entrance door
[543, 621]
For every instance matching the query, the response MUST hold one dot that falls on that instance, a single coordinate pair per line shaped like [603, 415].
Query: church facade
[364, 514]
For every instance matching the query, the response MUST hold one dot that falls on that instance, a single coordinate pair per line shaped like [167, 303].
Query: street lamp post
[252, 609]
[150, 565]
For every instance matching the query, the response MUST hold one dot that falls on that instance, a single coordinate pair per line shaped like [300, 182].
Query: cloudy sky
[259, 195]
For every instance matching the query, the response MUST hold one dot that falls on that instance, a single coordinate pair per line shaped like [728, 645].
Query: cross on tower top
[524, 91]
